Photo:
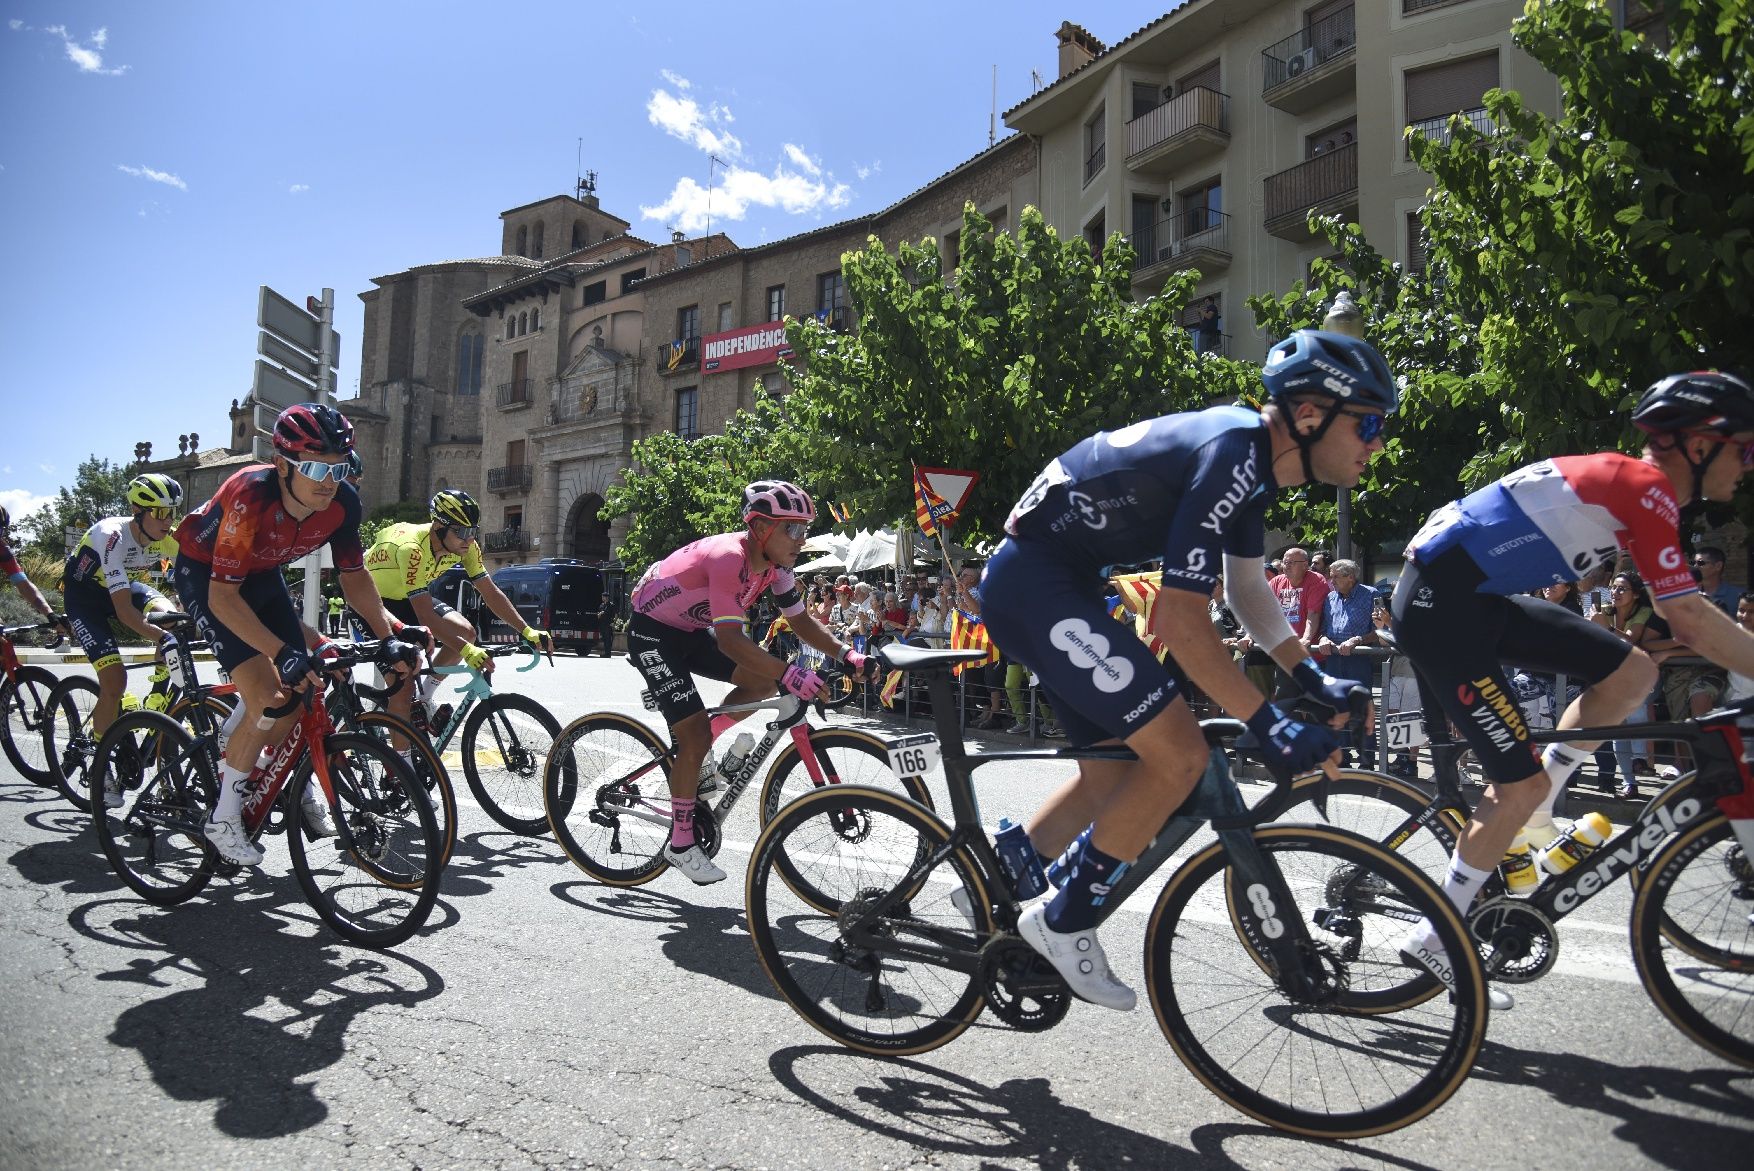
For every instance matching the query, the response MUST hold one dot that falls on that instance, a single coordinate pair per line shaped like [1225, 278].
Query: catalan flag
[839, 513]
[1139, 593]
[968, 633]
[780, 626]
[930, 509]
[891, 685]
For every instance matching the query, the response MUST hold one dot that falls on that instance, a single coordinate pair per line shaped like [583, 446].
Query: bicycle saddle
[901, 657]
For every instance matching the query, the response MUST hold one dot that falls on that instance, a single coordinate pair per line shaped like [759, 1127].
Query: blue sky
[159, 161]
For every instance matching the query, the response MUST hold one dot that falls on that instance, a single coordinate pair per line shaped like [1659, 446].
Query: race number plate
[914, 756]
[1404, 730]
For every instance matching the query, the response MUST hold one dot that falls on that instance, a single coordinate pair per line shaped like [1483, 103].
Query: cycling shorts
[668, 659]
[97, 627]
[1100, 679]
[1460, 641]
[266, 595]
[401, 609]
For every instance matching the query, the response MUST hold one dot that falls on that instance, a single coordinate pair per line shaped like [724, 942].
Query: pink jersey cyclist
[708, 582]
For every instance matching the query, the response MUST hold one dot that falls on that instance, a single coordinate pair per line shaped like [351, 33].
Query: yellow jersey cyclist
[103, 597]
[403, 562]
[15, 573]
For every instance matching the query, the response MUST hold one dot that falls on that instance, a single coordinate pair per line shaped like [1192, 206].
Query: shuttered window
[1450, 87]
[1321, 12]
[1205, 76]
[1416, 258]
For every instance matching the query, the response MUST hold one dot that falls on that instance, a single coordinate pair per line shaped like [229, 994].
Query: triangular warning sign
[950, 483]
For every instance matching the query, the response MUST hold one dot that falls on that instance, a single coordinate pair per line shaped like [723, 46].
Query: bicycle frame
[472, 691]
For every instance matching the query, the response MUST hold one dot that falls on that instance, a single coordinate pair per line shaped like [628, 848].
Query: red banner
[753, 345]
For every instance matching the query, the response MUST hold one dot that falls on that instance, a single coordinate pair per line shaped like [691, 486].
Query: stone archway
[587, 537]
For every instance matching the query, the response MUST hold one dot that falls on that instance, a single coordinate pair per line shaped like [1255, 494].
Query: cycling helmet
[355, 466]
[154, 490]
[1332, 365]
[777, 500]
[1705, 400]
[451, 507]
[312, 429]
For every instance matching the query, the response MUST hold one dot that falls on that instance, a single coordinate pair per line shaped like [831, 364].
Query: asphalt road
[541, 1019]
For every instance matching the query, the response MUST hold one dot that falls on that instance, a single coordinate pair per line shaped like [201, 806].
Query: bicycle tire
[21, 735]
[429, 769]
[834, 987]
[1714, 901]
[1200, 938]
[1389, 811]
[511, 791]
[608, 774]
[68, 743]
[849, 755]
[154, 840]
[376, 884]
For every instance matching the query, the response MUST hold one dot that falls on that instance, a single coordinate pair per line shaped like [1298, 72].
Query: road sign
[294, 326]
[276, 388]
[275, 350]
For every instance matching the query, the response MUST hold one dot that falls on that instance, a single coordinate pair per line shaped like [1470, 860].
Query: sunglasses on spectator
[316, 469]
[1370, 423]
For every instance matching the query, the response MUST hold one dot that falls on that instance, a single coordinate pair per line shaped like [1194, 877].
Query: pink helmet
[777, 500]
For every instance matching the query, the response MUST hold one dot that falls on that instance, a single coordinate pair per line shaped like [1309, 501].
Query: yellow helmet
[451, 507]
[154, 490]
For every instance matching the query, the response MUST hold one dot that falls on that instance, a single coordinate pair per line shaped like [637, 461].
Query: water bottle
[1518, 867]
[732, 762]
[157, 701]
[1567, 850]
[1018, 859]
[130, 702]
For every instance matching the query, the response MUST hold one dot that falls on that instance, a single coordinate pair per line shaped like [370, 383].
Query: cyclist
[103, 600]
[688, 619]
[15, 572]
[1191, 489]
[230, 552]
[403, 562]
[1461, 607]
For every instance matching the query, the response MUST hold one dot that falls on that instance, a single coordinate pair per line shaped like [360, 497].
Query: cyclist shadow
[25, 793]
[489, 854]
[1642, 1097]
[71, 860]
[251, 1006]
[711, 941]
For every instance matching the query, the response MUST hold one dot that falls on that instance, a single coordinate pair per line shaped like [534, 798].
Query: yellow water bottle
[1567, 850]
[1518, 867]
[130, 702]
[157, 701]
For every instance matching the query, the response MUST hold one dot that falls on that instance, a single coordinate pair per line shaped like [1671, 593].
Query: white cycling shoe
[113, 791]
[1421, 949]
[694, 864]
[1079, 959]
[317, 821]
[233, 844]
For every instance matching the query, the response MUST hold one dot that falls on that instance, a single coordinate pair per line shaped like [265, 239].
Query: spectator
[929, 624]
[892, 618]
[1708, 571]
[1632, 617]
[1319, 562]
[1741, 686]
[1302, 594]
[336, 606]
[606, 625]
[1209, 333]
[1346, 625]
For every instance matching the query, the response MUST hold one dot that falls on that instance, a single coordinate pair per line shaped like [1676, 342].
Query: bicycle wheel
[1395, 814]
[21, 736]
[835, 970]
[505, 741]
[1306, 1060]
[606, 790]
[67, 738]
[1700, 889]
[846, 756]
[154, 840]
[376, 882]
[429, 770]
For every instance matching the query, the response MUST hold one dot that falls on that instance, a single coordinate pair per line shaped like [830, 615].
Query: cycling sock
[724, 723]
[233, 783]
[1079, 904]
[1461, 882]
[1560, 761]
[427, 685]
[681, 822]
[1058, 870]
[232, 721]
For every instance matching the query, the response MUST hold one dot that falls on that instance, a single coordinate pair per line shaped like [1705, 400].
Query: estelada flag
[970, 634]
[930, 509]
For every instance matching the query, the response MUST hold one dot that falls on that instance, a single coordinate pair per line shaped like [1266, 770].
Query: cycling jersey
[1556, 520]
[1187, 488]
[9, 563]
[245, 529]
[108, 557]
[708, 582]
[402, 563]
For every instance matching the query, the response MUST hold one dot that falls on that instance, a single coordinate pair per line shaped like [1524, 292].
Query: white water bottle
[732, 762]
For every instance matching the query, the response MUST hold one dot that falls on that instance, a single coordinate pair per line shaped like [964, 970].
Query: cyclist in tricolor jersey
[1462, 607]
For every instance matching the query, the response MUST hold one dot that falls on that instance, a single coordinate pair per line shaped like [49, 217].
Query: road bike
[1271, 956]
[504, 739]
[24, 694]
[606, 783]
[374, 882]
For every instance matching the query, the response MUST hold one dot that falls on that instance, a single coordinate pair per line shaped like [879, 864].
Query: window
[1095, 140]
[1205, 77]
[629, 278]
[831, 292]
[1145, 98]
[688, 322]
[536, 318]
[578, 235]
[1202, 207]
[511, 328]
[433, 435]
[514, 453]
[523, 241]
[687, 404]
[1452, 87]
[536, 243]
[724, 316]
[471, 350]
[514, 517]
[776, 302]
[594, 293]
[1095, 232]
[523, 324]
[1416, 258]
[1145, 242]
[1333, 138]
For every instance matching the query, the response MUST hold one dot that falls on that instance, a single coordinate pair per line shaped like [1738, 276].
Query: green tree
[385, 515]
[98, 490]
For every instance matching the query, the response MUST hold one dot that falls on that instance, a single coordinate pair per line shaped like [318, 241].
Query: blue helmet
[1330, 365]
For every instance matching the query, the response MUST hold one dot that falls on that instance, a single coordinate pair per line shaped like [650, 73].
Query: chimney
[1077, 47]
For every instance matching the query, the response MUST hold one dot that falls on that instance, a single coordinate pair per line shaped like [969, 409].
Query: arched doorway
[589, 540]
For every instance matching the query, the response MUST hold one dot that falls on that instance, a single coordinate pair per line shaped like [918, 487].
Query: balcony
[679, 355]
[1440, 129]
[1327, 184]
[506, 541]
[1312, 65]
[513, 478]
[1198, 239]
[1181, 130]
[1094, 164]
[511, 396]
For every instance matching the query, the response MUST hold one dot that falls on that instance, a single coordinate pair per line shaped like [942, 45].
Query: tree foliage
[385, 515]
[98, 490]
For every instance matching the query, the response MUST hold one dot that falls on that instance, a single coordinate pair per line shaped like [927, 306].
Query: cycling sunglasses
[1370, 424]
[797, 530]
[316, 469]
[160, 512]
[1747, 447]
[467, 533]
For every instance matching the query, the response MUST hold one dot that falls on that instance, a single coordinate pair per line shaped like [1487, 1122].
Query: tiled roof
[1099, 58]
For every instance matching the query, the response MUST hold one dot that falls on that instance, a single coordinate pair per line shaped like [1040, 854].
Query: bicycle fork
[1266, 915]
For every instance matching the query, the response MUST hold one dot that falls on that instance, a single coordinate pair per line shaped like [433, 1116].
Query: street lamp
[1344, 318]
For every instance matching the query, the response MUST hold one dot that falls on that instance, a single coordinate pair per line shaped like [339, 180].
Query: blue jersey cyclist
[1191, 489]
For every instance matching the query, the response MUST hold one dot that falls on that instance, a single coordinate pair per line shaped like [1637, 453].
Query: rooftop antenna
[587, 180]
[993, 114]
[711, 159]
[1035, 82]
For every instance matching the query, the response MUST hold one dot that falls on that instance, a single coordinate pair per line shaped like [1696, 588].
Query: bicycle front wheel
[1693, 938]
[1290, 1048]
[154, 838]
[505, 742]
[429, 770]
[844, 756]
[25, 698]
[1398, 816]
[67, 737]
[376, 882]
[902, 981]
[606, 790]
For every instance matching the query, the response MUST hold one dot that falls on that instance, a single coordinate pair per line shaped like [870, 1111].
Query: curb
[40, 656]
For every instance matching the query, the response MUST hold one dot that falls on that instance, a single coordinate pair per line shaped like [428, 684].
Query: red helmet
[312, 429]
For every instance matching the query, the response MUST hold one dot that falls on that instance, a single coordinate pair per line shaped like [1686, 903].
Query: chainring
[1021, 987]
[1518, 942]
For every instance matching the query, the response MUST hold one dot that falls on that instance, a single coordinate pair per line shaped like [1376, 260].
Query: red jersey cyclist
[15, 573]
[688, 619]
[1462, 607]
[230, 552]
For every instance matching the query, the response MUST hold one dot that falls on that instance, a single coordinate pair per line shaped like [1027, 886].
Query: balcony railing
[1439, 129]
[684, 351]
[1094, 164]
[1211, 343]
[511, 395]
[1409, 7]
[1198, 113]
[512, 478]
[1309, 48]
[1196, 230]
[506, 541]
[1328, 176]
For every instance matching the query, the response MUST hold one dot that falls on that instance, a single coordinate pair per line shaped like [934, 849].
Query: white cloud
[89, 58]
[15, 24]
[47, 469]
[864, 172]
[21, 503]
[165, 177]
[100, 38]
[298, 188]
[675, 80]
[801, 160]
[688, 205]
[683, 118]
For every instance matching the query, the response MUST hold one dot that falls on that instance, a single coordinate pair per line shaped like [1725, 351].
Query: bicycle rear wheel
[154, 840]
[505, 742]
[1393, 813]
[1306, 1060]
[1693, 938]
[67, 738]
[847, 756]
[376, 882]
[429, 770]
[606, 790]
[848, 977]
[21, 736]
